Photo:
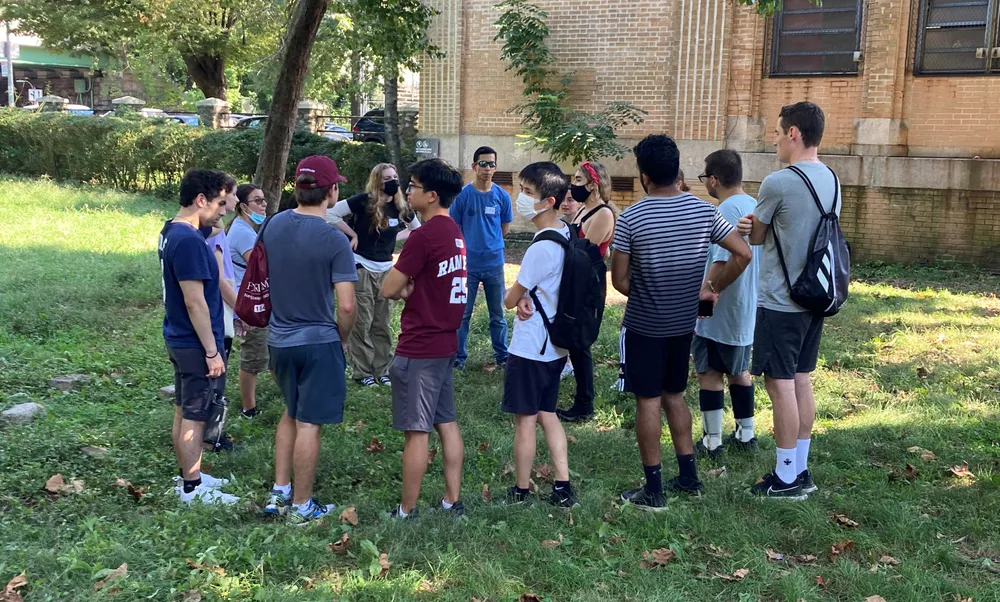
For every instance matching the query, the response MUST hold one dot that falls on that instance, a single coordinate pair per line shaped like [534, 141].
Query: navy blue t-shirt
[185, 256]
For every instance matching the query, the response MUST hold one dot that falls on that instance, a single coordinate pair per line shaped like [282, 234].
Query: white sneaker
[207, 495]
[207, 480]
[567, 371]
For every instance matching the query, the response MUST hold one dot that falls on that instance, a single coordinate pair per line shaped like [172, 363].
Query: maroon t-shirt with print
[434, 257]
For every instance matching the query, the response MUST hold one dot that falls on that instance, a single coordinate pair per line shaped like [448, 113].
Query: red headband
[593, 173]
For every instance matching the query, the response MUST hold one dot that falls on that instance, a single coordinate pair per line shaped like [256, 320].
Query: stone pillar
[53, 104]
[746, 129]
[213, 113]
[745, 134]
[881, 130]
[309, 118]
[127, 105]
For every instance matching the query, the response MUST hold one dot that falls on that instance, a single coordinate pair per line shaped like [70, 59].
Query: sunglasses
[489, 164]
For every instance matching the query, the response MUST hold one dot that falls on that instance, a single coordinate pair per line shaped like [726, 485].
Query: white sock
[401, 513]
[285, 490]
[802, 455]
[744, 429]
[446, 505]
[301, 508]
[711, 422]
[785, 466]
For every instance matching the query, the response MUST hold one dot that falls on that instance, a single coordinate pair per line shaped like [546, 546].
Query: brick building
[908, 87]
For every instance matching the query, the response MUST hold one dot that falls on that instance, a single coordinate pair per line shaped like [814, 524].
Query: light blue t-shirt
[242, 238]
[480, 216]
[733, 321]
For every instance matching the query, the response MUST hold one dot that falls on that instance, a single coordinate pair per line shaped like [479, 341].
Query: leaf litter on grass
[10, 593]
[653, 559]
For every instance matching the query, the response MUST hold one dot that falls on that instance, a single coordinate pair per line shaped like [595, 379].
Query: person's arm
[225, 285]
[721, 275]
[246, 256]
[396, 285]
[348, 232]
[620, 261]
[769, 200]
[506, 212]
[515, 293]
[197, 308]
[347, 311]
[602, 224]
[457, 210]
[505, 228]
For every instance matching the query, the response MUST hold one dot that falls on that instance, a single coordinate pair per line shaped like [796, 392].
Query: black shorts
[194, 391]
[530, 386]
[718, 357]
[312, 381]
[656, 365]
[785, 343]
[423, 393]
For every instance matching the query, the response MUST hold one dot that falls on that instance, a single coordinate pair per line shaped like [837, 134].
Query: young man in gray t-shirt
[787, 336]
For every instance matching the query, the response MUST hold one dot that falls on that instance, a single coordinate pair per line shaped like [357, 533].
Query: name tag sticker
[490, 211]
[393, 222]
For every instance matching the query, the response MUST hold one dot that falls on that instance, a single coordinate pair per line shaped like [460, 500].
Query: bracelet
[212, 357]
[711, 286]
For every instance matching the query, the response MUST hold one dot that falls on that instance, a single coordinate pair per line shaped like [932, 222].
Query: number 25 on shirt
[459, 290]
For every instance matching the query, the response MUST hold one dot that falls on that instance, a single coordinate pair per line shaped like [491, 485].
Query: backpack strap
[812, 190]
[556, 237]
[594, 211]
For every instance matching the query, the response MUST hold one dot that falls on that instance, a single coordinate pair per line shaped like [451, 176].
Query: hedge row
[150, 154]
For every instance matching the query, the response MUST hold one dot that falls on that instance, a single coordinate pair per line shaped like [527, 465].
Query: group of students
[681, 262]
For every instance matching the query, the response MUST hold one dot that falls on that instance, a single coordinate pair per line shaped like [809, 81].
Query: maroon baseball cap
[323, 169]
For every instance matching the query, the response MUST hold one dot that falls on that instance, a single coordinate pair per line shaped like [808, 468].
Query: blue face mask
[257, 218]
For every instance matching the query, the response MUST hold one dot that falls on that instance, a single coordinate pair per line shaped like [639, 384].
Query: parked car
[255, 122]
[371, 127]
[330, 129]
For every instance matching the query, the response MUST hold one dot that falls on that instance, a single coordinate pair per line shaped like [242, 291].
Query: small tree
[551, 124]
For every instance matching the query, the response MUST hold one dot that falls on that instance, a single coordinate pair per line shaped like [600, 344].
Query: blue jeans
[493, 285]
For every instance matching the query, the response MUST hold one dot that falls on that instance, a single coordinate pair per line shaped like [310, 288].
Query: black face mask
[391, 187]
[580, 193]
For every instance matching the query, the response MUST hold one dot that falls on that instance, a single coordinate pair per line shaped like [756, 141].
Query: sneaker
[314, 511]
[207, 480]
[460, 366]
[563, 498]
[384, 380]
[457, 509]
[771, 487]
[643, 500]
[567, 371]
[702, 451]
[203, 494]
[577, 413]
[513, 497]
[223, 445]
[806, 478]
[685, 486]
[749, 447]
[251, 413]
[415, 513]
[368, 381]
[278, 505]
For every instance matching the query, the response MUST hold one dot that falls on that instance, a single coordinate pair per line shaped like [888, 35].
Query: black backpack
[822, 286]
[582, 292]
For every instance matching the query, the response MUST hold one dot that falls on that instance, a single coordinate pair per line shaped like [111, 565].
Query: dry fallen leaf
[426, 587]
[605, 428]
[532, 486]
[922, 372]
[874, 599]
[529, 598]
[544, 472]
[838, 548]
[841, 519]
[928, 456]
[570, 438]
[484, 447]
[551, 544]
[340, 546]
[656, 558]
[718, 552]
[821, 582]
[119, 573]
[431, 455]
[717, 472]
[916, 449]
[571, 521]
[349, 516]
[959, 598]
[805, 558]
[374, 446]
[888, 560]
[910, 473]
[487, 496]
[383, 561]
[192, 596]
[120, 482]
[136, 492]
[773, 556]
[962, 471]
[741, 574]
[507, 469]
[55, 484]
[10, 593]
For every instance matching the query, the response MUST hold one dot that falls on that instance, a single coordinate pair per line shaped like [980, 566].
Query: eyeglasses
[412, 186]
[704, 177]
[490, 164]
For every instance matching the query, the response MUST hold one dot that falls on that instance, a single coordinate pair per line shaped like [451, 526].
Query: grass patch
[912, 361]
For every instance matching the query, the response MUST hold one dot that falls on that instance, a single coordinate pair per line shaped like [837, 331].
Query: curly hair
[376, 207]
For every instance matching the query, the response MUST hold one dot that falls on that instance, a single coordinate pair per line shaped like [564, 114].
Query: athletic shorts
[656, 365]
[312, 381]
[254, 356]
[423, 393]
[194, 391]
[718, 357]
[530, 386]
[785, 343]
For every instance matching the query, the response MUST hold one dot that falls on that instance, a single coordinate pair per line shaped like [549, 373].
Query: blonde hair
[603, 186]
[380, 221]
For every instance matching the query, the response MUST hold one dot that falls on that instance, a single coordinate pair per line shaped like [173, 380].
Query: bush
[151, 154]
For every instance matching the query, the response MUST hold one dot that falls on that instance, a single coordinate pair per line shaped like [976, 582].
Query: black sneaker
[563, 498]
[806, 478]
[224, 445]
[460, 366]
[771, 487]
[368, 381]
[385, 380]
[457, 509]
[515, 497]
[251, 413]
[643, 500]
[749, 447]
[685, 486]
[577, 413]
[702, 451]
[415, 513]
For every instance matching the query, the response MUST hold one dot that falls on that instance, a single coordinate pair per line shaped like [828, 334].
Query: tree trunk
[392, 137]
[209, 74]
[355, 87]
[270, 175]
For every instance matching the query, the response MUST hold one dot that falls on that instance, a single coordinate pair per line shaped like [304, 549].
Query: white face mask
[526, 206]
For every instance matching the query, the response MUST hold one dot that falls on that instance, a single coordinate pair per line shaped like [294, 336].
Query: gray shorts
[422, 393]
[194, 391]
[786, 343]
[713, 356]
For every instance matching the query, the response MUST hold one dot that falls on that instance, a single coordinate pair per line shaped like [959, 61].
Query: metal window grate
[957, 37]
[503, 178]
[622, 184]
[816, 40]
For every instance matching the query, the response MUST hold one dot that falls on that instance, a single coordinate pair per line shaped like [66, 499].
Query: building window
[958, 36]
[817, 40]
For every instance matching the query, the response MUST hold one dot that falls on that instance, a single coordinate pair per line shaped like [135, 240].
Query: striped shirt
[667, 240]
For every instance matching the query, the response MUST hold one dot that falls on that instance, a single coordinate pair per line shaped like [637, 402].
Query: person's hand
[240, 328]
[745, 225]
[407, 290]
[707, 294]
[525, 309]
[354, 243]
[216, 367]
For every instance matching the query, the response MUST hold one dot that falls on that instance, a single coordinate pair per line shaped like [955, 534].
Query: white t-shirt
[541, 267]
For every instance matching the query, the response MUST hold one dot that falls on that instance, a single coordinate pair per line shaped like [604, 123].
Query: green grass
[913, 360]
